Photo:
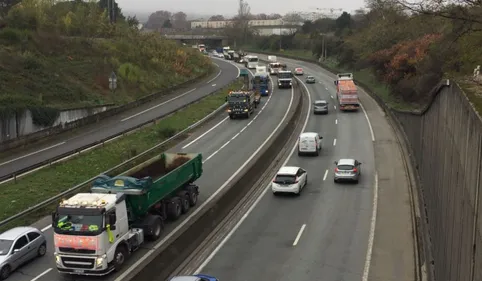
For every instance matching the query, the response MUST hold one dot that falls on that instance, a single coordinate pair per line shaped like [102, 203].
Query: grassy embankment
[364, 75]
[50, 181]
[60, 56]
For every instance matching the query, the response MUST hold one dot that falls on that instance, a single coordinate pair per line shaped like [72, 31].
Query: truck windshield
[284, 75]
[67, 223]
[236, 99]
[253, 59]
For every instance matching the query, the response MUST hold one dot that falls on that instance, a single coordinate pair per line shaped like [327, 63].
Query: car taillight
[336, 170]
[355, 170]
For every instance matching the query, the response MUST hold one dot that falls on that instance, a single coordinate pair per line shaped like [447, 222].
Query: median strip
[50, 181]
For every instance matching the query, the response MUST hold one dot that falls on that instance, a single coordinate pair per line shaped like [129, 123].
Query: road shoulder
[393, 256]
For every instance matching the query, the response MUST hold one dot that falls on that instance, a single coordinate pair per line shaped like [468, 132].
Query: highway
[220, 140]
[324, 233]
[63, 143]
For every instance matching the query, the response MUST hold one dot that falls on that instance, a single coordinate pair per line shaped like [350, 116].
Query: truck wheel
[175, 209]
[119, 257]
[184, 196]
[192, 192]
[231, 116]
[154, 228]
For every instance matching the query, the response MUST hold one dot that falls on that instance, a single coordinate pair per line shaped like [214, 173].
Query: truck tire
[120, 256]
[192, 192]
[174, 209]
[154, 227]
[184, 196]
[231, 116]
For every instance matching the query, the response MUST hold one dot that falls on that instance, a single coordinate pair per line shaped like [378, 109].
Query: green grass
[365, 76]
[45, 183]
[473, 91]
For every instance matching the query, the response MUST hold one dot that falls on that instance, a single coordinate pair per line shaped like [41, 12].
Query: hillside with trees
[406, 48]
[61, 54]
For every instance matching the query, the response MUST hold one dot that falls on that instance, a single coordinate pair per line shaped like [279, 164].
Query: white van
[309, 143]
[272, 59]
[261, 69]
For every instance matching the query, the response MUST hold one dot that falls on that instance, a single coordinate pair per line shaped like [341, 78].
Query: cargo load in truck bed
[154, 180]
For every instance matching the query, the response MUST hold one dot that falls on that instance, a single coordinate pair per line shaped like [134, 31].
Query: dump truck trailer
[346, 92]
[94, 233]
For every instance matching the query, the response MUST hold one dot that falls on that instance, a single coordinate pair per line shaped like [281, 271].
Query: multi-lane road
[328, 233]
[110, 126]
[221, 141]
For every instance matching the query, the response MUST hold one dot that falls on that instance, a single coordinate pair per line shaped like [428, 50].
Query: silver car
[320, 107]
[18, 246]
[347, 170]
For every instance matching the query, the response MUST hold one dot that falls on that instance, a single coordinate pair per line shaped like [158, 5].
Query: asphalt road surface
[58, 145]
[225, 144]
[321, 235]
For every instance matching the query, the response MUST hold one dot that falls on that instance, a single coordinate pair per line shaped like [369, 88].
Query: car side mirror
[16, 250]
[335, 82]
[335, 162]
[112, 227]
[55, 217]
[321, 137]
[112, 219]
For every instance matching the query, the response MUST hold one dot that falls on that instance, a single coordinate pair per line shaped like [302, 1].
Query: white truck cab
[90, 234]
[309, 143]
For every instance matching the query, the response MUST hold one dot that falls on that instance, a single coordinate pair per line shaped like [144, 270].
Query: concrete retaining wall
[446, 140]
[22, 124]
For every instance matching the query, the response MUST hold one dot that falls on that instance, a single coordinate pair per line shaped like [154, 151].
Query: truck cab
[88, 228]
[285, 79]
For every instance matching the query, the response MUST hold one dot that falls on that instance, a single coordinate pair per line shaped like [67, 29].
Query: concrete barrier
[172, 254]
[55, 130]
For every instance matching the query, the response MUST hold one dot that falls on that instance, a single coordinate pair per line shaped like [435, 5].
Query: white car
[299, 71]
[309, 143]
[289, 179]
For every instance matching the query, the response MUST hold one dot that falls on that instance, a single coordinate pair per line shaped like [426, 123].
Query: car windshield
[5, 246]
[345, 167]
[286, 179]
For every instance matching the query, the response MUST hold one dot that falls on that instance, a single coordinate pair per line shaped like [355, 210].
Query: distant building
[264, 27]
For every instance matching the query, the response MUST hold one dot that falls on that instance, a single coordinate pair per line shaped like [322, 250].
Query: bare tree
[242, 19]
[216, 18]
[274, 16]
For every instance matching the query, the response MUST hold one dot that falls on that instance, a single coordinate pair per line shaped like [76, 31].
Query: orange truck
[346, 92]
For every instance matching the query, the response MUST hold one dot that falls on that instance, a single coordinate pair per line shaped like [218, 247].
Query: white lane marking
[334, 142]
[205, 133]
[335, 106]
[216, 250]
[331, 97]
[369, 123]
[297, 239]
[214, 85]
[336, 121]
[220, 189]
[216, 64]
[235, 136]
[326, 174]
[155, 106]
[371, 235]
[41, 274]
[217, 75]
[30, 154]
[46, 228]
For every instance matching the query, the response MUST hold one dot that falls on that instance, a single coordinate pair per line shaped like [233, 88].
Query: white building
[263, 27]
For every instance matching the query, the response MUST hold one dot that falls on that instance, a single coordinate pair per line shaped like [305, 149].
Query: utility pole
[111, 10]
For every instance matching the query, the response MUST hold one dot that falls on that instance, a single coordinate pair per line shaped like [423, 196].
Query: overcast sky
[229, 7]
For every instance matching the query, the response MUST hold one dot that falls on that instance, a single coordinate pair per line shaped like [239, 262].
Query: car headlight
[246, 110]
[290, 83]
[229, 110]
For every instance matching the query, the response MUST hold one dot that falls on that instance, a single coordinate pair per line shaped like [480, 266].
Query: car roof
[310, 76]
[299, 68]
[308, 134]
[346, 162]
[320, 101]
[16, 232]
[185, 278]
[288, 170]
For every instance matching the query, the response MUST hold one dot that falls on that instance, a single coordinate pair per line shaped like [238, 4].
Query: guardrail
[56, 198]
[32, 168]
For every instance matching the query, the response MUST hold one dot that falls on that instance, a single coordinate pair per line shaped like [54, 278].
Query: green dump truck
[95, 232]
